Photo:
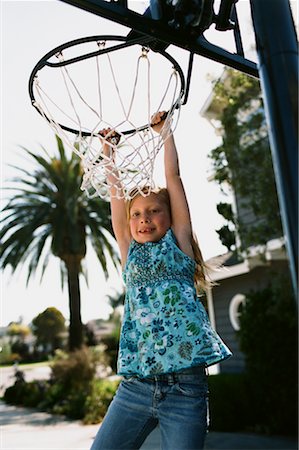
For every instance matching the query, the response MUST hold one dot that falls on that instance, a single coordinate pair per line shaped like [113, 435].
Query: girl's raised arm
[180, 214]
[118, 207]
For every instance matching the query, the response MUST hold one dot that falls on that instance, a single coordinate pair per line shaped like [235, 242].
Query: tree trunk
[76, 328]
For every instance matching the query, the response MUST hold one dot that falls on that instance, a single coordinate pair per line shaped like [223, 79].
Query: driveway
[28, 429]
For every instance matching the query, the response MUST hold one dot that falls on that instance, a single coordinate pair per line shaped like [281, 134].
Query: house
[234, 280]
[243, 270]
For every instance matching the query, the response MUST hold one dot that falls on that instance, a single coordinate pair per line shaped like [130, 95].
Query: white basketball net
[108, 98]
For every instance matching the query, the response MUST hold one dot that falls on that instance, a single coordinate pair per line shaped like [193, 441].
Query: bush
[264, 399]
[111, 343]
[74, 369]
[268, 338]
[230, 403]
[21, 349]
[71, 405]
[14, 395]
[99, 399]
[71, 383]
[72, 390]
[34, 393]
[26, 394]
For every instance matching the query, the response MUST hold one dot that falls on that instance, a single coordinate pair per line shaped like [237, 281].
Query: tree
[48, 327]
[49, 214]
[244, 162]
[226, 233]
[116, 301]
[18, 332]
[111, 341]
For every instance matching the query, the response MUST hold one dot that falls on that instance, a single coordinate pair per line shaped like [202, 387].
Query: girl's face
[149, 218]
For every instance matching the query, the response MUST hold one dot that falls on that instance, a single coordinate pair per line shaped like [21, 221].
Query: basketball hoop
[97, 82]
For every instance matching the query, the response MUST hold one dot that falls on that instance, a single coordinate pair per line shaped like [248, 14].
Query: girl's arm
[180, 214]
[118, 208]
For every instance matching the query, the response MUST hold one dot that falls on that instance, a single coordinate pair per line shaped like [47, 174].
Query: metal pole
[278, 68]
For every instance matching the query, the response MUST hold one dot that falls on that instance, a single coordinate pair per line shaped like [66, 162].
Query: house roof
[229, 265]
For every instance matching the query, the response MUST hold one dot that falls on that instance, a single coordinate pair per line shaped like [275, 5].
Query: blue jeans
[177, 402]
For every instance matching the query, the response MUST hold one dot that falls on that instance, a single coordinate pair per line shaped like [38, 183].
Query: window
[235, 309]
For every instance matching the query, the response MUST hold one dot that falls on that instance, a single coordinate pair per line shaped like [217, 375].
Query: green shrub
[34, 393]
[72, 370]
[71, 382]
[268, 338]
[14, 395]
[72, 390]
[264, 399]
[6, 355]
[54, 396]
[111, 343]
[230, 403]
[27, 394]
[71, 405]
[99, 399]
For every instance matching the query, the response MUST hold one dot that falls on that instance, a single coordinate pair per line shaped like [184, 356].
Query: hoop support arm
[140, 40]
[159, 31]
[190, 66]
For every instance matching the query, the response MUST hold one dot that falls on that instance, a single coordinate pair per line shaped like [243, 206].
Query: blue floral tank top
[165, 327]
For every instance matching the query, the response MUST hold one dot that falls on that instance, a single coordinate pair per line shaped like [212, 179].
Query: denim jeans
[177, 402]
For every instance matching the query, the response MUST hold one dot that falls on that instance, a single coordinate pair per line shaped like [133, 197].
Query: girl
[166, 340]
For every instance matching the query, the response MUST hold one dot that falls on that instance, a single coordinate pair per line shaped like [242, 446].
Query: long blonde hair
[201, 281]
[201, 278]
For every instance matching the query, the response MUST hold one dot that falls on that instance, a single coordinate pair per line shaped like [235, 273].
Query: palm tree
[49, 207]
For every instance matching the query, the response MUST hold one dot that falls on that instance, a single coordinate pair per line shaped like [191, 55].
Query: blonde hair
[201, 278]
[201, 281]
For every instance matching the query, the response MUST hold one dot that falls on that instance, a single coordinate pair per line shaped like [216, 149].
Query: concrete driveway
[28, 429]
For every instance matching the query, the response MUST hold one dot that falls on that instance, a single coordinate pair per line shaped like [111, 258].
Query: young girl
[166, 340]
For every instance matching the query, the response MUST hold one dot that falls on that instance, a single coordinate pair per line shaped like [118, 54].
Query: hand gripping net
[121, 91]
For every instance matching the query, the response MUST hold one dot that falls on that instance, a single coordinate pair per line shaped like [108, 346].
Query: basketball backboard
[179, 25]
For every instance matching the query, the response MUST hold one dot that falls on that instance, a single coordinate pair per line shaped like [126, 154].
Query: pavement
[29, 429]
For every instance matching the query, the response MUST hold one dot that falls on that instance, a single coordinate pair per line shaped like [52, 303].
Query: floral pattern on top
[165, 327]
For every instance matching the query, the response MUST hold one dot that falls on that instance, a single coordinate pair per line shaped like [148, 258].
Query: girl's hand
[158, 120]
[107, 135]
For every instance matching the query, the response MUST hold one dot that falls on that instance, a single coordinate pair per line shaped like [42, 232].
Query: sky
[30, 29]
